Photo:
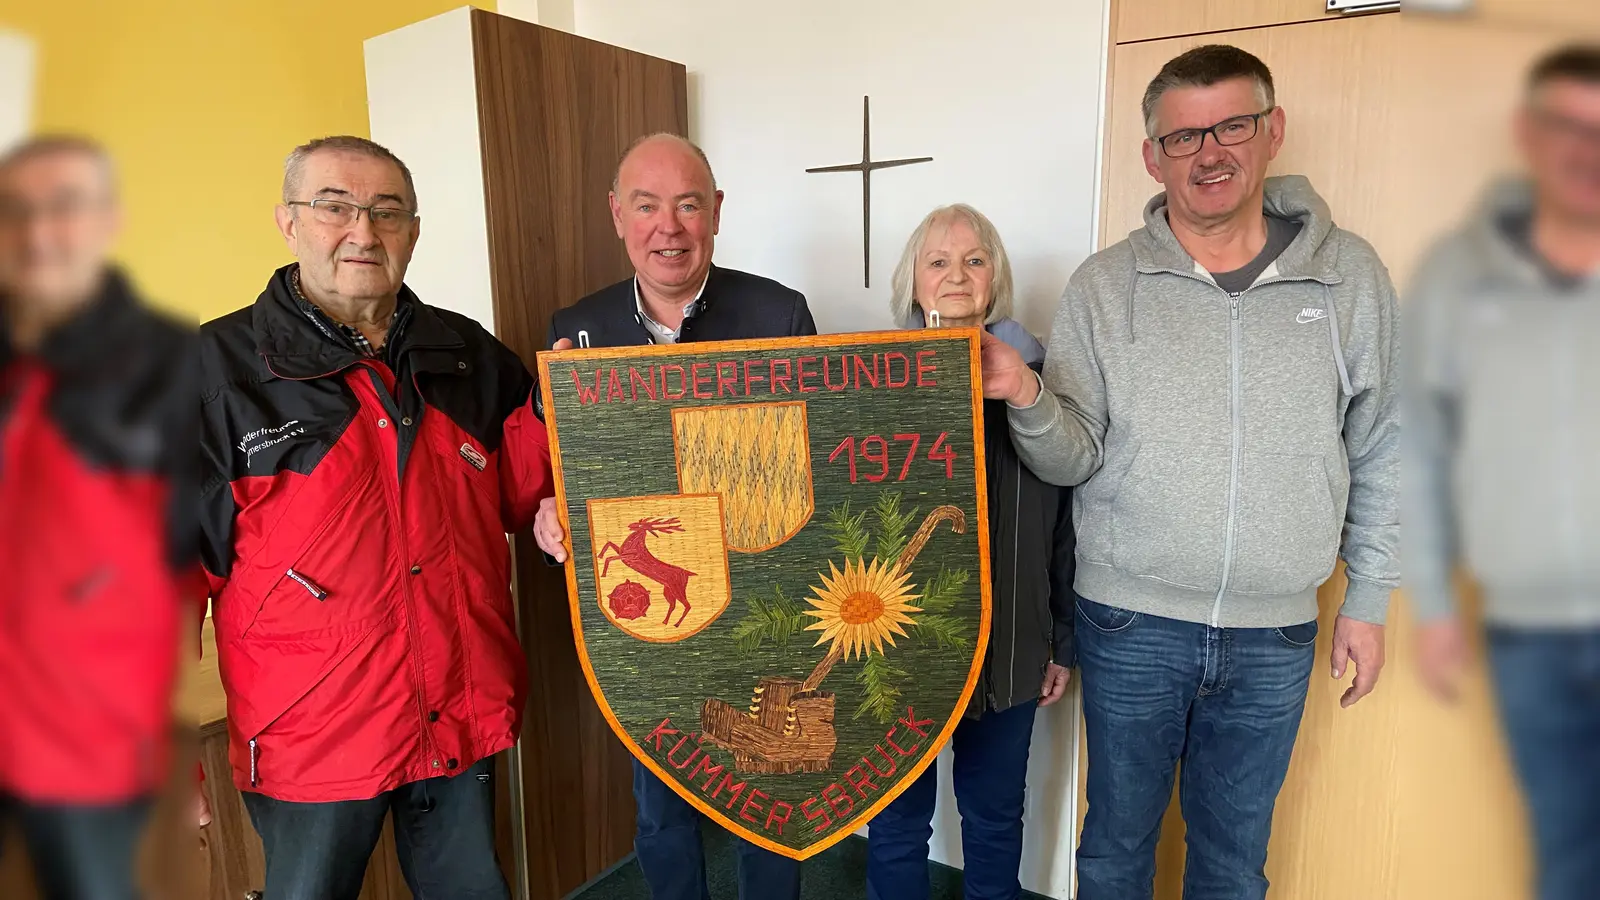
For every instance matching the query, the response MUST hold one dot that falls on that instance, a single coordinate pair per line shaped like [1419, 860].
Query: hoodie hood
[1491, 254]
[1312, 255]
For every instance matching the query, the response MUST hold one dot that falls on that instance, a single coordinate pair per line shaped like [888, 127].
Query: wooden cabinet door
[1144, 20]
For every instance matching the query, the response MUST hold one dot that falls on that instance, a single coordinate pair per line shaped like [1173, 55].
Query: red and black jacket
[353, 519]
[97, 451]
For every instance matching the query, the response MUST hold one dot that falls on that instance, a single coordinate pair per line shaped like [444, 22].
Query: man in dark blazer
[667, 208]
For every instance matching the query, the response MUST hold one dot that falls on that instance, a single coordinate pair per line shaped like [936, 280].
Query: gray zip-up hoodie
[1503, 422]
[1224, 444]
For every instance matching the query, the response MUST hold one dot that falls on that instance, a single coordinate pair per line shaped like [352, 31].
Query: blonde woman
[954, 272]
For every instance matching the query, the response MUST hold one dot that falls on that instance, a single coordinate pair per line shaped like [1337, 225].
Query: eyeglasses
[340, 214]
[1228, 132]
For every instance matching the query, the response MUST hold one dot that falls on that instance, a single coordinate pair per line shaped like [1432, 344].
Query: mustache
[1213, 171]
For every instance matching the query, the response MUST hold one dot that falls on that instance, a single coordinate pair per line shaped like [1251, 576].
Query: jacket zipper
[1235, 363]
[253, 779]
[308, 584]
[405, 583]
[1016, 531]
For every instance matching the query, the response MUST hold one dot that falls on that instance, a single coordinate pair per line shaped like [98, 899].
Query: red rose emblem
[630, 600]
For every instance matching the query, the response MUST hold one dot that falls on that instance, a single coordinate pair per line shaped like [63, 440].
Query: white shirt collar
[659, 333]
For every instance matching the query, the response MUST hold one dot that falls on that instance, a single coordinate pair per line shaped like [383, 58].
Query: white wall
[16, 87]
[1004, 96]
[422, 103]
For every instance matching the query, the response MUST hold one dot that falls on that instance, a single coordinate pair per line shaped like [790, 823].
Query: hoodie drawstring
[1132, 286]
[1338, 350]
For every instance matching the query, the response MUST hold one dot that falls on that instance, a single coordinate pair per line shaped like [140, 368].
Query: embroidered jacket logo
[1311, 314]
[473, 457]
[262, 438]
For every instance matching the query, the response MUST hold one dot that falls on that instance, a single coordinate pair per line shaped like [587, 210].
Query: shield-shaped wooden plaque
[779, 579]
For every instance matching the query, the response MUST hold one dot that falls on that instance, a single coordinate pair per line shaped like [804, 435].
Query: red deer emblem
[634, 554]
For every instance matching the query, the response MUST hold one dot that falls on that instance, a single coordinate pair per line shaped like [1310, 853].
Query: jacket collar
[293, 347]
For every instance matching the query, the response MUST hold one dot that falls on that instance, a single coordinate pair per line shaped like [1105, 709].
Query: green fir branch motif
[943, 590]
[946, 631]
[849, 532]
[880, 684]
[770, 621]
[892, 525]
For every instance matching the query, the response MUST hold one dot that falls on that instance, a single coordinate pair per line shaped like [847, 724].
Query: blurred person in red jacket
[1502, 426]
[364, 455]
[97, 432]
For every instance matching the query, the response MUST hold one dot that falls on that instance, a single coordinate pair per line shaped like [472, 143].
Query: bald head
[667, 209]
[652, 148]
[58, 220]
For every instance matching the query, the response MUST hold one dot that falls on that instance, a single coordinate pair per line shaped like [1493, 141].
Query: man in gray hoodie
[1503, 426]
[1223, 387]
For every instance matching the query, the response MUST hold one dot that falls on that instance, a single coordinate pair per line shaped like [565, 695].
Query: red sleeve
[525, 475]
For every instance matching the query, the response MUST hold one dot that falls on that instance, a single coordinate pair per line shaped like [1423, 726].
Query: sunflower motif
[861, 607]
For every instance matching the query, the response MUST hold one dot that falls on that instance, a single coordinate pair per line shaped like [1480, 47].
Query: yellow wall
[199, 101]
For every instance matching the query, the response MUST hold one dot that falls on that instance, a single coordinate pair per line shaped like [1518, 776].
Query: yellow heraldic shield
[659, 564]
[757, 458]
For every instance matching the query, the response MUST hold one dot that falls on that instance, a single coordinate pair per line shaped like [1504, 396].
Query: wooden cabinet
[540, 119]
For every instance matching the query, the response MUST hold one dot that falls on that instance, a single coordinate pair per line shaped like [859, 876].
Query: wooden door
[1399, 797]
[556, 112]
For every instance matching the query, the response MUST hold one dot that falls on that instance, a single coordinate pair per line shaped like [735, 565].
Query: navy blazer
[734, 306]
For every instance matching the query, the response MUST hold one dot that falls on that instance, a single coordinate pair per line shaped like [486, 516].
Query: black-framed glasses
[1227, 133]
[342, 214]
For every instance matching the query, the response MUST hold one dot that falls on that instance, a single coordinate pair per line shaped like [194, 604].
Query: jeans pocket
[1106, 619]
[1298, 636]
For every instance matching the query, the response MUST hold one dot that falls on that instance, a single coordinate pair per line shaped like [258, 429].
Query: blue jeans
[1226, 703]
[673, 861]
[1548, 687]
[81, 852]
[990, 778]
[443, 835]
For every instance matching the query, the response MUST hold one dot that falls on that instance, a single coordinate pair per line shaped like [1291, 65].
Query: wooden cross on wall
[865, 167]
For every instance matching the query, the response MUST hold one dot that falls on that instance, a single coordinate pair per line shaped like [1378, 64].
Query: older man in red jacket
[365, 455]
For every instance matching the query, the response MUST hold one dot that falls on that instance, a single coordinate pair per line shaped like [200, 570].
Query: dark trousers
[1547, 684]
[989, 775]
[673, 861]
[1226, 703]
[81, 852]
[443, 831]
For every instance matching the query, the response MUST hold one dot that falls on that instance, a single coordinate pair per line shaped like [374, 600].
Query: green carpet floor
[840, 873]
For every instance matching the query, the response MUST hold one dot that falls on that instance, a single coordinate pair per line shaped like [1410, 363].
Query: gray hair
[903, 300]
[46, 145]
[1204, 67]
[616, 176]
[294, 167]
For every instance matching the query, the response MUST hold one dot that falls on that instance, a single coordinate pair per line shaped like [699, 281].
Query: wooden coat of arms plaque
[779, 573]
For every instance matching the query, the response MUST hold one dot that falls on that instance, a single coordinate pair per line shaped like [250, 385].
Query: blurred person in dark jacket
[97, 435]
[954, 272]
[1501, 476]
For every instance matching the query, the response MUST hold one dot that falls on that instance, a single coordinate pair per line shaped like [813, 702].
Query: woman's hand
[1055, 684]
